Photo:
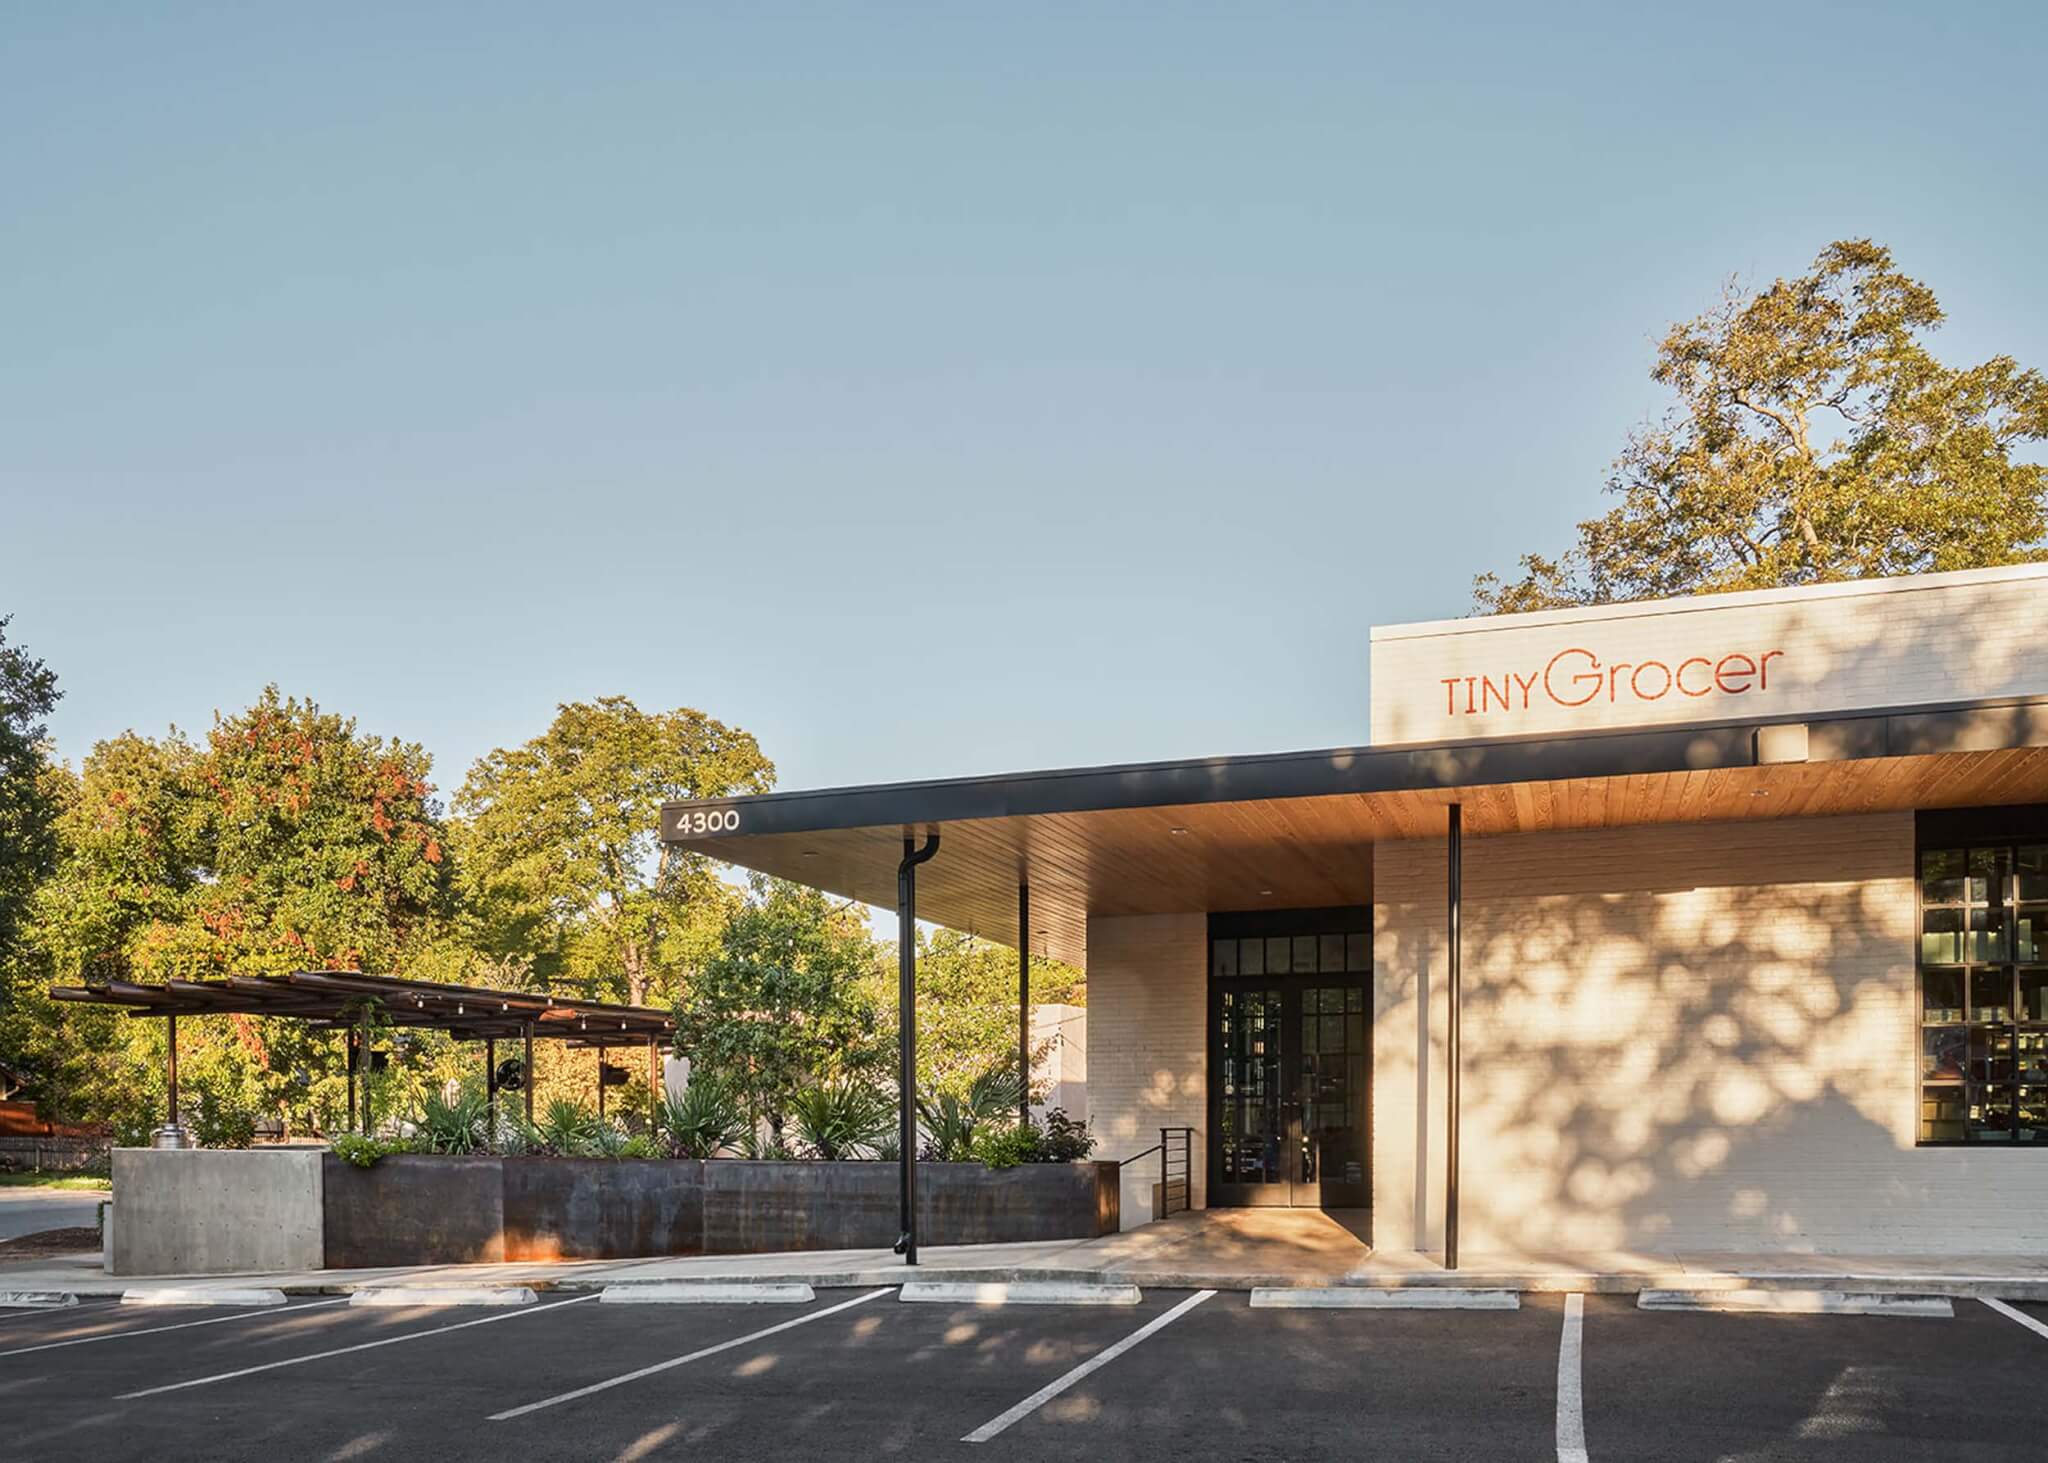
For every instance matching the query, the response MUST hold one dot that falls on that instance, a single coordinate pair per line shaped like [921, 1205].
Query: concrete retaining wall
[217, 1211]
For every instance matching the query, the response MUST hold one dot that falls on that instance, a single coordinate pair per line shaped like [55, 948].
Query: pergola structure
[347, 1001]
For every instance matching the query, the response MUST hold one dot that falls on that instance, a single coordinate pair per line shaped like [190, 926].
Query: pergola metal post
[171, 1073]
[906, 1035]
[526, 1085]
[491, 1088]
[1024, 1003]
[348, 1056]
[1455, 879]
[653, 1082]
[363, 1061]
[600, 1082]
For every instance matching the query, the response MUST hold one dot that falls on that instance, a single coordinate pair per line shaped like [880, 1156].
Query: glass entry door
[1290, 1071]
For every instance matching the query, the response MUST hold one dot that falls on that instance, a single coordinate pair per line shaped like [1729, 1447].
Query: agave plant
[703, 1120]
[568, 1129]
[606, 1139]
[840, 1119]
[458, 1126]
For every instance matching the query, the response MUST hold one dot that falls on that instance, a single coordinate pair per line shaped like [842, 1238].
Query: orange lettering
[1578, 679]
[1450, 685]
[1764, 670]
[1635, 682]
[1679, 679]
[1522, 684]
[1722, 673]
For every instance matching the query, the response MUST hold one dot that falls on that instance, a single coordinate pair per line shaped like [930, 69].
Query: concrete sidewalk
[1219, 1249]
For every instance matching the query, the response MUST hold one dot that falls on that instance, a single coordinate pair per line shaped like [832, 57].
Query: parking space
[857, 1374]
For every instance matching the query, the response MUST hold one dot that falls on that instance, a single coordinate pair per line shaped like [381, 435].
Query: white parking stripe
[1571, 1410]
[1101, 1358]
[2012, 1315]
[271, 1366]
[269, 1315]
[676, 1361]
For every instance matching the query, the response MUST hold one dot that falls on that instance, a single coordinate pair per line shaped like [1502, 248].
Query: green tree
[563, 866]
[967, 1007]
[786, 1001]
[288, 841]
[28, 798]
[1815, 437]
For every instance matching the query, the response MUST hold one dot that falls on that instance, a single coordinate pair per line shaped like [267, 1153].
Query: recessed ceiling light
[1176, 832]
[1267, 893]
[810, 853]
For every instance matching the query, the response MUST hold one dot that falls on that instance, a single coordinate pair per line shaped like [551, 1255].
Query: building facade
[1751, 894]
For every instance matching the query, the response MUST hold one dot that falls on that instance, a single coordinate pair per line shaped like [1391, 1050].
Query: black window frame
[1992, 1059]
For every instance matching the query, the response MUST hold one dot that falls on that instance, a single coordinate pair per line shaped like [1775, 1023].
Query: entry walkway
[1219, 1249]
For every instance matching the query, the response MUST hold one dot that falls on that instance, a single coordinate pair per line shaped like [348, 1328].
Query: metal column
[526, 1085]
[1455, 879]
[363, 1062]
[491, 1090]
[600, 1082]
[906, 1035]
[171, 1071]
[1024, 1003]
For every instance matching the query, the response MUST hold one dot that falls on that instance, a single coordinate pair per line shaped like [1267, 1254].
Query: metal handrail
[1170, 1140]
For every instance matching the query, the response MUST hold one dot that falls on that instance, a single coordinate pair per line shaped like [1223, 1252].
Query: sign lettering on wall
[1768, 654]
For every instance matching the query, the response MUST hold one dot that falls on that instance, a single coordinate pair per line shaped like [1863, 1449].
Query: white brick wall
[1698, 1036]
[1836, 647]
[1148, 1043]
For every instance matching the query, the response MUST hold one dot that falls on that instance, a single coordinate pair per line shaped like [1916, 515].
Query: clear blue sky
[930, 391]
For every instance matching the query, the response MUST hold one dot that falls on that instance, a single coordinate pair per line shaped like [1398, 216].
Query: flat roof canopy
[337, 998]
[1295, 830]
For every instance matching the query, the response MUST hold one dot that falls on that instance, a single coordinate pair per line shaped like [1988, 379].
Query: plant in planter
[951, 1121]
[841, 1119]
[460, 1126]
[569, 1130]
[703, 1120]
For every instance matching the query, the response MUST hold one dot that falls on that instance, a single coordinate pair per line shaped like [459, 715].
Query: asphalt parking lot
[857, 1374]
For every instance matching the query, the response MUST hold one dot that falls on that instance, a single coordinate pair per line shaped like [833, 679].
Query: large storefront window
[1984, 991]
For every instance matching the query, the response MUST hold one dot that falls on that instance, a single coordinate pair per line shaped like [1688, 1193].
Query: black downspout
[1456, 880]
[1023, 1004]
[906, 1035]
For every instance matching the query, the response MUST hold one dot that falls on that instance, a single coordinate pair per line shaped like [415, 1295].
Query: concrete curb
[1366, 1298]
[38, 1300]
[1796, 1303]
[443, 1295]
[198, 1295]
[1019, 1293]
[703, 1293]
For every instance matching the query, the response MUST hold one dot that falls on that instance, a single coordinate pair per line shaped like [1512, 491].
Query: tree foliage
[1815, 438]
[563, 867]
[786, 1002]
[289, 841]
[29, 797]
[967, 1006]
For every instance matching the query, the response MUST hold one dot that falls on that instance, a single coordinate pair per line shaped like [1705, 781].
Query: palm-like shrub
[951, 1121]
[703, 1120]
[840, 1119]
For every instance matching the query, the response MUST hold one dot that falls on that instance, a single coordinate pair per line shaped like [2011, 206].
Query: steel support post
[906, 1036]
[1455, 877]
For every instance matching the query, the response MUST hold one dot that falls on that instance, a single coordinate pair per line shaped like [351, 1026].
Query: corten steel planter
[413, 1209]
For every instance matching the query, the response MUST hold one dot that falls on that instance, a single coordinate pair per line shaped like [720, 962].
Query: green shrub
[1008, 1147]
[841, 1119]
[362, 1152]
[1063, 1139]
[951, 1121]
[639, 1145]
[703, 1120]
